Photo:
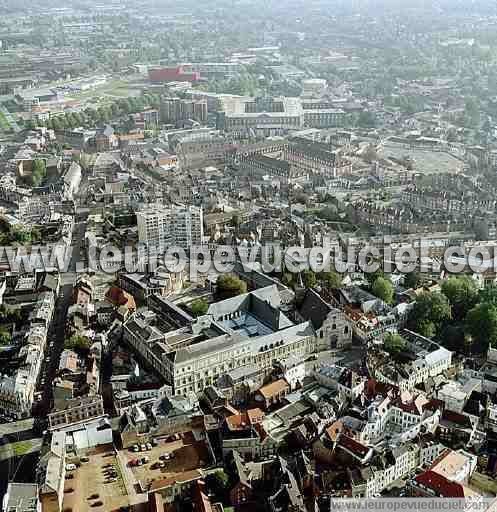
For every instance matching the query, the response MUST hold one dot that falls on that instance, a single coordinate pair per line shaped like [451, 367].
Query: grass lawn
[22, 447]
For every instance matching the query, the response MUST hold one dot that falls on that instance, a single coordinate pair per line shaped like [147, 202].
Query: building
[313, 87]
[197, 151]
[272, 394]
[159, 282]
[72, 180]
[264, 117]
[105, 139]
[176, 74]
[213, 69]
[343, 380]
[428, 359]
[17, 388]
[51, 473]
[76, 410]
[246, 331]
[174, 226]
[174, 110]
[315, 158]
[21, 498]
[333, 329]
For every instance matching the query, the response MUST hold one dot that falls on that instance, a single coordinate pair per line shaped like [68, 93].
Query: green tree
[287, 279]
[412, 279]
[394, 343]
[230, 286]
[481, 324]
[488, 295]
[77, 342]
[426, 328]
[331, 279]
[199, 307]
[309, 278]
[5, 337]
[373, 276]
[217, 483]
[429, 312]
[462, 294]
[39, 172]
[383, 289]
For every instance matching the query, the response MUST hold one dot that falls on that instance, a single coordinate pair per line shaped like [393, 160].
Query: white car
[70, 467]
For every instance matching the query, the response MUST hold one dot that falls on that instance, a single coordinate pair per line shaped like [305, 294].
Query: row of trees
[101, 115]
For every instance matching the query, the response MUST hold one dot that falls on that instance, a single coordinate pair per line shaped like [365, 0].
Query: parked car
[136, 448]
[143, 447]
[145, 460]
[149, 446]
[70, 467]
[84, 459]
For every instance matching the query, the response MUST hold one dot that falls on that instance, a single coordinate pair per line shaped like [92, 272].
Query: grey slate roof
[315, 309]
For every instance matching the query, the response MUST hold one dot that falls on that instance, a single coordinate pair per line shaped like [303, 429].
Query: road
[57, 330]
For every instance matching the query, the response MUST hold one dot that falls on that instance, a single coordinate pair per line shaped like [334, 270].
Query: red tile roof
[440, 485]
[352, 446]
[118, 297]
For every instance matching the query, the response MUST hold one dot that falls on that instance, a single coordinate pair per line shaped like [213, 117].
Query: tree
[309, 278]
[383, 289]
[412, 279]
[453, 337]
[426, 328]
[217, 483]
[488, 295]
[5, 337]
[370, 154]
[199, 307]
[481, 324]
[77, 342]
[287, 279]
[462, 294]
[429, 312]
[230, 286]
[39, 172]
[373, 276]
[394, 343]
[331, 279]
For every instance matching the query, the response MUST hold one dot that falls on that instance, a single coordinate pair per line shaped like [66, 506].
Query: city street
[57, 331]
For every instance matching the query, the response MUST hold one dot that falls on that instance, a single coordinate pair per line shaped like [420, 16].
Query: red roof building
[431, 483]
[177, 74]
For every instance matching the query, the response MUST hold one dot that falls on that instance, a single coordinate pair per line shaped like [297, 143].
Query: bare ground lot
[425, 161]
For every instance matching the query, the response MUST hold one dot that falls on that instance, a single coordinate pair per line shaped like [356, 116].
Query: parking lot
[90, 488]
[188, 454]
